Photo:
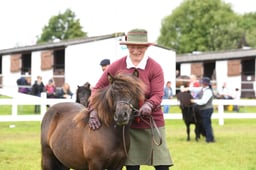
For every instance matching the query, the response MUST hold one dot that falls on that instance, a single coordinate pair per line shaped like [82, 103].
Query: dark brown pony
[68, 142]
[190, 115]
[83, 94]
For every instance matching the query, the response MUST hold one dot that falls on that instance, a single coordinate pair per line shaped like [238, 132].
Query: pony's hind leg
[49, 161]
[197, 132]
[188, 131]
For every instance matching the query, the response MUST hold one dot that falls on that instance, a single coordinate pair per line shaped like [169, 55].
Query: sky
[22, 20]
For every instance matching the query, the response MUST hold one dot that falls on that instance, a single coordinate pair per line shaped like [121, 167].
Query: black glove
[146, 109]
[94, 122]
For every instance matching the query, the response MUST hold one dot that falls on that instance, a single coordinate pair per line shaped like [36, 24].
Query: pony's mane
[122, 85]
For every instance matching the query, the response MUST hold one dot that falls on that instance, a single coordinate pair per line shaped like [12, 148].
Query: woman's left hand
[146, 109]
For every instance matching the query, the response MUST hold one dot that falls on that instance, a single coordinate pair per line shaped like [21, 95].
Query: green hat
[137, 37]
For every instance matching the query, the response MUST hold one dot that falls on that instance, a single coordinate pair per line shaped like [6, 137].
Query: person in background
[177, 73]
[236, 96]
[167, 95]
[205, 106]
[37, 89]
[215, 91]
[194, 83]
[24, 84]
[50, 89]
[104, 64]
[64, 92]
[151, 73]
[225, 93]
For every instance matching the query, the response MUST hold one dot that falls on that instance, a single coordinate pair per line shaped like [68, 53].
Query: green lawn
[234, 150]
[22, 109]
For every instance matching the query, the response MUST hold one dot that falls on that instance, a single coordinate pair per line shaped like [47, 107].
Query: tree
[199, 25]
[62, 27]
[248, 24]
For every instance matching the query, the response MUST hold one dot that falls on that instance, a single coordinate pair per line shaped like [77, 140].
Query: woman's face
[66, 86]
[137, 52]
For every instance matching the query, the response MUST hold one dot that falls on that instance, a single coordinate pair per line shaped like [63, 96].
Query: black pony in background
[83, 94]
[190, 114]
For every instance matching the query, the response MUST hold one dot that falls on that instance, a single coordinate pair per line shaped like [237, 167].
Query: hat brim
[136, 43]
[204, 82]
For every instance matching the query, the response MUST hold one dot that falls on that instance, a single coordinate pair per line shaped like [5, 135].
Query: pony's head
[83, 94]
[118, 101]
[182, 80]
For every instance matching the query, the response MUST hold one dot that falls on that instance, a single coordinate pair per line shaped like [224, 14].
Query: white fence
[220, 103]
[23, 99]
[43, 101]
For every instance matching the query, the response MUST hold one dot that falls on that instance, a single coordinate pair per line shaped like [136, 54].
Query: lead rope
[152, 125]
[125, 149]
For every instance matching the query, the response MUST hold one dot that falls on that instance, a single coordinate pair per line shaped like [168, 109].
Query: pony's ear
[87, 85]
[136, 73]
[110, 78]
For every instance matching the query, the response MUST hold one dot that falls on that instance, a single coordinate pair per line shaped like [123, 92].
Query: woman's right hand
[94, 122]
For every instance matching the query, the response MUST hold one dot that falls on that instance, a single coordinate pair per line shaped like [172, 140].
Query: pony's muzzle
[122, 118]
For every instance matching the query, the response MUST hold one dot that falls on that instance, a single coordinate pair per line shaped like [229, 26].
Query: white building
[73, 61]
[236, 68]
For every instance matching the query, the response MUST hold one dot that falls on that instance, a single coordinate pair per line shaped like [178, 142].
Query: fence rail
[43, 101]
[221, 115]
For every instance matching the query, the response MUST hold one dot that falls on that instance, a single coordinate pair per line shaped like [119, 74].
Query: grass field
[235, 148]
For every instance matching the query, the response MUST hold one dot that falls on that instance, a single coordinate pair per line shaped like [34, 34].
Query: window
[26, 63]
[248, 67]
[1, 64]
[59, 59]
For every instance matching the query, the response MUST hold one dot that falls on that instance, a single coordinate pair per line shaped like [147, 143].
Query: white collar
[141, 65]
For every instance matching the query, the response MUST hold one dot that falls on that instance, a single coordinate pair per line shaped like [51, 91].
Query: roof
[220, 55]
[61, 44]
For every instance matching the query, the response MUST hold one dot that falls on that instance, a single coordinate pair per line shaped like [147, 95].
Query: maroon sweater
[152, 76]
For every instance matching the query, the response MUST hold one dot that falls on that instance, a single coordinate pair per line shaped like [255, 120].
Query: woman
[205, 106]
[50, 89]
[64, 92]
[37, 89]
[151, 73]
[167, 95]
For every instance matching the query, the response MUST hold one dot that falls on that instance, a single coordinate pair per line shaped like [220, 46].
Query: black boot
[135, 167]
[162, 167]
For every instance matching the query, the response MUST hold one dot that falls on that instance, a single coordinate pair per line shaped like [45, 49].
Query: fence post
[43, 103]
[221, 114]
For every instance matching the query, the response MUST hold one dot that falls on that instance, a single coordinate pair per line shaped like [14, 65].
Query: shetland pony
[68, 142]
